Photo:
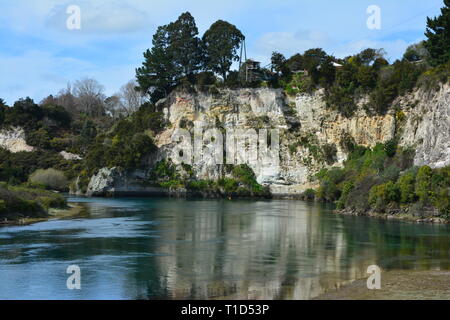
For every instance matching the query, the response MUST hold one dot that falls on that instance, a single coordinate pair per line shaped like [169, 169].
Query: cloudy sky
[39, 54]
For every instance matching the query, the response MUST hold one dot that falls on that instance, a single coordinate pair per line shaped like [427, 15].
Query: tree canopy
[178, 54]
[221, 43]
[438, 36]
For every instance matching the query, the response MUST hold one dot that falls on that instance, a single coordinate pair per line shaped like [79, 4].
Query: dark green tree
[185, 47]
[296, 62]
[278, 62]
[158, 74]
[368, 56]
[2, 110]
[221, 42]
[416, 52]
[327, 72]
[312, 59]
[176, 53]
[438, 34]
[423, 184]
[87, 134]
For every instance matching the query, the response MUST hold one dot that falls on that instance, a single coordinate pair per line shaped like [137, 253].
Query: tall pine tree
[438, 34]
[176, 53]
[158, 74]
[185, 47]
[221, 42]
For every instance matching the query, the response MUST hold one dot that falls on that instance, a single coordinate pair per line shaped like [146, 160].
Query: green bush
[51, 202]
[50, 178]
[329, 152]
[24, 201]
[3, 207]
[309, 195]
[382, 195]
[406, 186]
[442, 201]
[348, 186]
[423, 184]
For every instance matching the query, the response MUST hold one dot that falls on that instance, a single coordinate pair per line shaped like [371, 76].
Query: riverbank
[426, 216]
[72, 211]
[397, 285]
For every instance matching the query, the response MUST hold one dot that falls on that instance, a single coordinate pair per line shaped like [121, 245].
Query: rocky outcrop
[311, 136]
[426, 126]
[13, 139]
[117, 182]
[304, 116]
[69, 156]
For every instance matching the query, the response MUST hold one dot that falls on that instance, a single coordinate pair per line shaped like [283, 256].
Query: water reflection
[177, 249]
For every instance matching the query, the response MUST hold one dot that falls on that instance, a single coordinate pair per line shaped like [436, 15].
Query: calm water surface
[177, 249]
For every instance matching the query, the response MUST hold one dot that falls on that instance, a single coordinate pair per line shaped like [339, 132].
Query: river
[133, 248]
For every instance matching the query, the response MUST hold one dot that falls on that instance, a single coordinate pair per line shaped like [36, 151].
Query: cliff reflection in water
[274, 250]
[177, 249]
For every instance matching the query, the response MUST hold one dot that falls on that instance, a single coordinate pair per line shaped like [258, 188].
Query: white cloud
[35, 73]
[101, 17]
[394, 48]
[290, 43]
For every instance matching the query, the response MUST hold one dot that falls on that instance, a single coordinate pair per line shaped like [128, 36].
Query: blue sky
[39, 55]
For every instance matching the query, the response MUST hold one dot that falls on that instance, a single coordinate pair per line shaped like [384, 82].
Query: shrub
[442, 201]
[390, 147]
[406, 187]
[328, 192]
[205, 78]
[229, 185]
[308, 195]
[346, 189]
[52, 202]
[423, 184]
[391, 173]
[3, 207]
[347, 142]
[382, 195]
[329, 152]
[39, 138]
[201, 185]
[51, 178]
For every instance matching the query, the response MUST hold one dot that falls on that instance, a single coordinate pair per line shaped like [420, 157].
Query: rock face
[69, 156]
[304, 116]
[427, 126]
[109, 182]
[14, 140]
[311, 137]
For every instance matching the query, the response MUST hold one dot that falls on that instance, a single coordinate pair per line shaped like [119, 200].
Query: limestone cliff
[311, 136]
[13, 139]
[427, 126]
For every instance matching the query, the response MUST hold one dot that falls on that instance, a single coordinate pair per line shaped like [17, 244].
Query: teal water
[197, 249]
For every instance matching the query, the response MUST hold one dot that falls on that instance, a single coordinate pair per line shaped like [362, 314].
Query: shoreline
[73, 210]
[399, 215]
[395, 217]
[396, 285]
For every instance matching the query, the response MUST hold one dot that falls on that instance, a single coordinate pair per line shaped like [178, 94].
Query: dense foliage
[127, 144]
[382, 179]
[179, 56]
[238, 181]
[77, 119]
[438, 34]
[221, 42]
[27, 201]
